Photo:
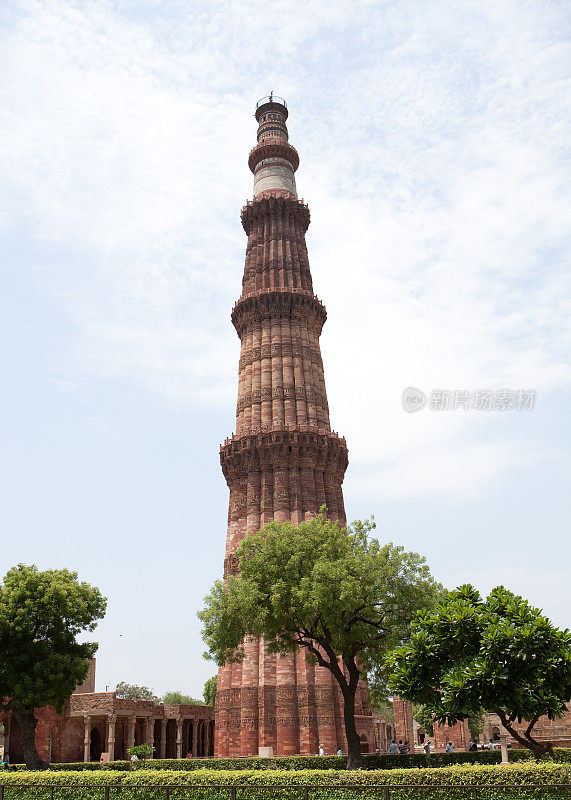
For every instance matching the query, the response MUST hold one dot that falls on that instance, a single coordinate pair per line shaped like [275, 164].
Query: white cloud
[431, 138]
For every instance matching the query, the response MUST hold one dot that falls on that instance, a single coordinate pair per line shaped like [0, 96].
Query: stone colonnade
[170, 737]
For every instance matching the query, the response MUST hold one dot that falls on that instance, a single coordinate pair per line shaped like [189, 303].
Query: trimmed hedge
[410, 760]
[562, 755]
[323, 762]
[79, 766]
[133, 783]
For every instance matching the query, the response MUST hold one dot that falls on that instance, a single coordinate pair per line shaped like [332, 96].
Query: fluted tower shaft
[283, 462]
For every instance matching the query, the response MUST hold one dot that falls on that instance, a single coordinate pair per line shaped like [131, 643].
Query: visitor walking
[405, 747]
[401, 746]
[449, 748]
[321, 750]
[427, 746]
[393, 748]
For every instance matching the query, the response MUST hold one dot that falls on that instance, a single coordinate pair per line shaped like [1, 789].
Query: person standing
[321, 750]
[393, 748]
[449, 748]
[427, 746]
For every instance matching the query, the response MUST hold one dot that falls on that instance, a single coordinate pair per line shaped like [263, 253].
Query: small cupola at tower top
[271, 113]
[273, 160]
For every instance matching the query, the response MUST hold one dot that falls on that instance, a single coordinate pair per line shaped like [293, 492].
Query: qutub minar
[284, 462]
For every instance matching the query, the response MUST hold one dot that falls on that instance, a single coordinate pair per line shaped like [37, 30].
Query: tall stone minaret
[283, 462]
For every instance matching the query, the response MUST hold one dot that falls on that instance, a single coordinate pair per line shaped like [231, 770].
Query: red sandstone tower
[283, 462]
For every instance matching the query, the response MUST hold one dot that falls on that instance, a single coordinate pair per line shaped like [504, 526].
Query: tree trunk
[355, 760]
[538, 749]
[27, 722]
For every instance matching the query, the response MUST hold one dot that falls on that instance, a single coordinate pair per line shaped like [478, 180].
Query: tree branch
[526, 740]
[530, 726]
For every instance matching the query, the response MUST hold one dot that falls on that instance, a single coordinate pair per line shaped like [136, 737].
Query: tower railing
[271, 98]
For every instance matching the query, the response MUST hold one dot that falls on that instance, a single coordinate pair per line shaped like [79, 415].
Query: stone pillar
[163, 745]
[504, 747]
[131, 732]
[249, 699]
[86, 738]
[150, 734]
[403, 721]
[325, 706]
[207, 740]
[287, 718]
[179, 737]
[194, 738]
[111, 720]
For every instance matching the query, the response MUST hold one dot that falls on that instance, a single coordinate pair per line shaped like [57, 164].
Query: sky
[433, 139]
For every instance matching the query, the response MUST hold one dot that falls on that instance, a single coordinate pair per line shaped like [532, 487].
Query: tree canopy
[41, 663]
[424, 718]
[209, 692]
[335, 591]
[502, 655]
[130, 691]
[178, 698]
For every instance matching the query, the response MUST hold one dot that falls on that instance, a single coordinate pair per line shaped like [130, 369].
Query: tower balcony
[252, 308]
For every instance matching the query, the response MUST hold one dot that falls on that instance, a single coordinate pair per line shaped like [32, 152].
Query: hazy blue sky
[433, 140]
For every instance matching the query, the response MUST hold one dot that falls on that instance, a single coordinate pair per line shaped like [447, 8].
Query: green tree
[424, 718]
[178, 698]
[334, 591]
[129, 691]
[476, 724]
[41, 663]
[502, 655]
[140, 751]
[209, 692]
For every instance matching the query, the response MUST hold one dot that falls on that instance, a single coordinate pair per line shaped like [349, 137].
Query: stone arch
[495, 734]
[140, 724]
[95, 744]
[157, 738]
[121, 739]
[14, 747]
[171, 739]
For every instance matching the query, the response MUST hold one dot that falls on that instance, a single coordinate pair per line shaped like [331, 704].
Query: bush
[561, 755]
[339, 762]
[80, 766]
[133, 783]
[141, 751]
[13, 780]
